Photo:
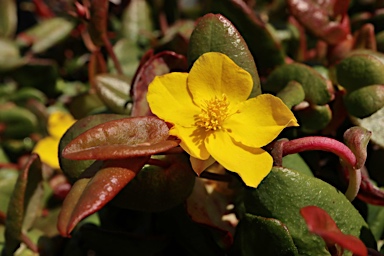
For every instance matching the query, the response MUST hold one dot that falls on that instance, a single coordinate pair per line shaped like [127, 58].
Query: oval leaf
[260, 36]
[24, 204]
[215, 33]
[46, 34]
[128, 137]
[155, 65]
[114, 92]
[295, 191]
[359, 70]
[256, 234]
[314, 84]
[365, 101]
[8, 18]
[113, 176]
[73, 169]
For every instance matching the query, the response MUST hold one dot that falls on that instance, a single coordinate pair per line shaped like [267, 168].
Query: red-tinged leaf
[159, 64]
[113, 176]
[98, 21]
[24, 204]
[370, 193]
[357, 139]
[122, 138]
[320, 223]
[340, 7]
[69, 205]
[320, 24]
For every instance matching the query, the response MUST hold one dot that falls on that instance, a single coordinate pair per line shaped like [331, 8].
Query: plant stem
[330, 145]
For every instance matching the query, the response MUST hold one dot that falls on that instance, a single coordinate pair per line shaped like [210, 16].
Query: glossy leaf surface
[128, 137]
[71, 168]
[151, 66]
[322, 24]
[215, 33]
[114, 91]
[258, 34]
[101, 188]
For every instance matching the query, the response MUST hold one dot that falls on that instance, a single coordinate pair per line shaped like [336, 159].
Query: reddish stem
[325, 144]
[319, 143]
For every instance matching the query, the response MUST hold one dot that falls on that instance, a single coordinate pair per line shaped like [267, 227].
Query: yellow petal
[214, 74]
[259, 121]
[192, 140]
[170, 100]
[59, 122]
[48, 150]
[252, 164]
[199, 165]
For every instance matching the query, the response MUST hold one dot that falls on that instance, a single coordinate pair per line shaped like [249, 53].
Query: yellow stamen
[214, 113]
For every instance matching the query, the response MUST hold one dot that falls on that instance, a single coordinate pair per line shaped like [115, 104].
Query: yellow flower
[48, 147]
[211, 115]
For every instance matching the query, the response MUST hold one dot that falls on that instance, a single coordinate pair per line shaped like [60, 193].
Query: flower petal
[192, 140]
[252, 164]
[48, 150]
[214, 74]
[170, 100]
[259, 120]
[59, 122]
[199, 165]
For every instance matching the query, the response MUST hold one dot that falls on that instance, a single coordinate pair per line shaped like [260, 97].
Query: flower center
[214, 113]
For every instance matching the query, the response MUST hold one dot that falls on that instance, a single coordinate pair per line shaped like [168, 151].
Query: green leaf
[359, 70]
[284, 192]
[25, 203]
[375, 220]
[292, 94]
[114, 91]
[45, 34]
[8, 18]
[314, 84]
[255, 234]
[137, 22]
[365, 101]
[314, 118]
[85, 104]
[72, 169]
[9, 55]
[259, 35]
[123, 138]
[101, 189]
[128, 54]
[215, 33]
[295, 162]
[8, 179]
[18, 122]
[158, 188]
